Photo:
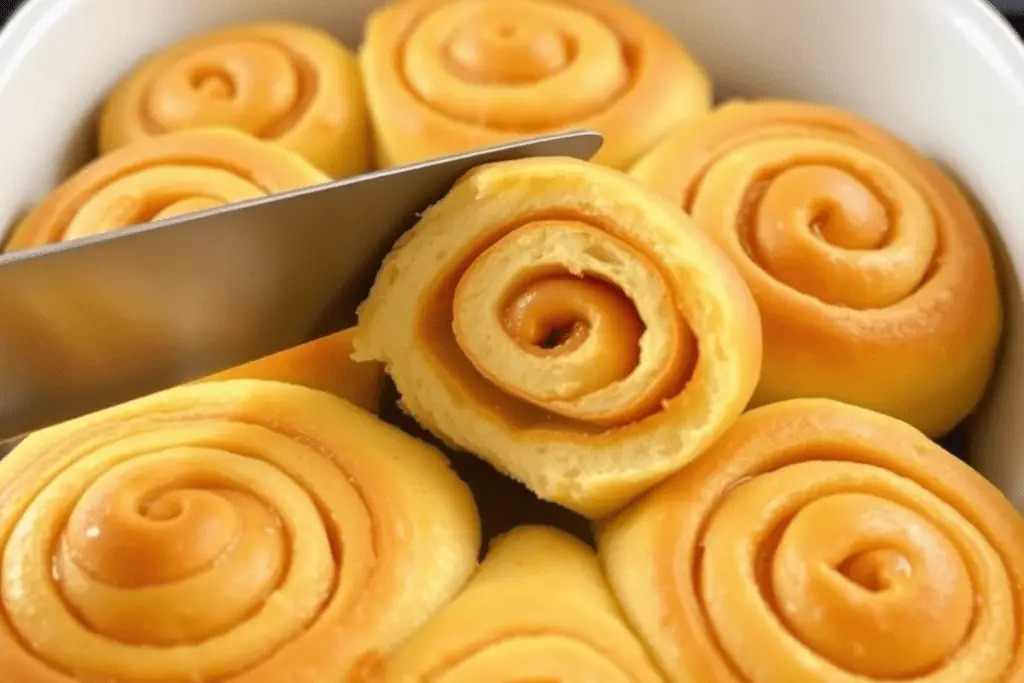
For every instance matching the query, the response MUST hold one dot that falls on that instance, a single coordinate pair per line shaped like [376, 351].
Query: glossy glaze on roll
[162, 177]
[567, 325]
[325, 364]
[873, 276]
[444, 77]
[286, 83]
[818, 542]
[240, 531]
[538, 610]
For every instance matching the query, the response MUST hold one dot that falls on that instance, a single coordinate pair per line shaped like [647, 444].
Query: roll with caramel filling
[567, 325]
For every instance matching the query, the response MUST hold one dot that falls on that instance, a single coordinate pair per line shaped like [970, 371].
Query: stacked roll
[567, 325]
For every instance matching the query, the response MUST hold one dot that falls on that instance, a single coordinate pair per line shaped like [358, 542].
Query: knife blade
[89, 323]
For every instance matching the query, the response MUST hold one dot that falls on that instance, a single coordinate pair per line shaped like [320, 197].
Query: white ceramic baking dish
[947, 75]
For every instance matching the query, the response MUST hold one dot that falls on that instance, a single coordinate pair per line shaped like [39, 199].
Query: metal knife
[89, 323]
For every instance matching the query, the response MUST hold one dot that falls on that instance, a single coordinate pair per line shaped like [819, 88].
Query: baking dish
[947, 75]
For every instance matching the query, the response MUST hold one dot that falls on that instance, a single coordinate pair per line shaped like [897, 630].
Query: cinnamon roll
[538, 609]
[568, 326]
[819, 542]
[162, 177]
[446, 76]
[873, 276]
[285, 83]
[241, 530]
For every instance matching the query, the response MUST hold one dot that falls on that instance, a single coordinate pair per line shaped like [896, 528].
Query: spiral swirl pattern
[565, 324]
[285, 83]
[872, 274]
[161, 178]
[444, 77]
[818, 541]
[230, 531]
[538, 610]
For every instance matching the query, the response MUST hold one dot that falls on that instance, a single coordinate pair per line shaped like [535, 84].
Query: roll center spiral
[126, 534]
[556, 316]
[834, 205]
[859, 564]
[568, 334]
[152, 528]
[213, 83]
[516, 65]
[824, 218]
[876, 570]
[163, 509]
[508, 50]
[247, 85]
[564, 336]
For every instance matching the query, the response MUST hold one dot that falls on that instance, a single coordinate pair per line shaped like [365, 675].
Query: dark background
[1013, 9]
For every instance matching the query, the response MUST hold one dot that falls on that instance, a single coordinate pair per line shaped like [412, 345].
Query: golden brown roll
[162, 177]
[286, 83]
[446, 76]
[568, 326]
[818, 542]
[873, 276]
[238, 531]
[538, 610]
[325, 364]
